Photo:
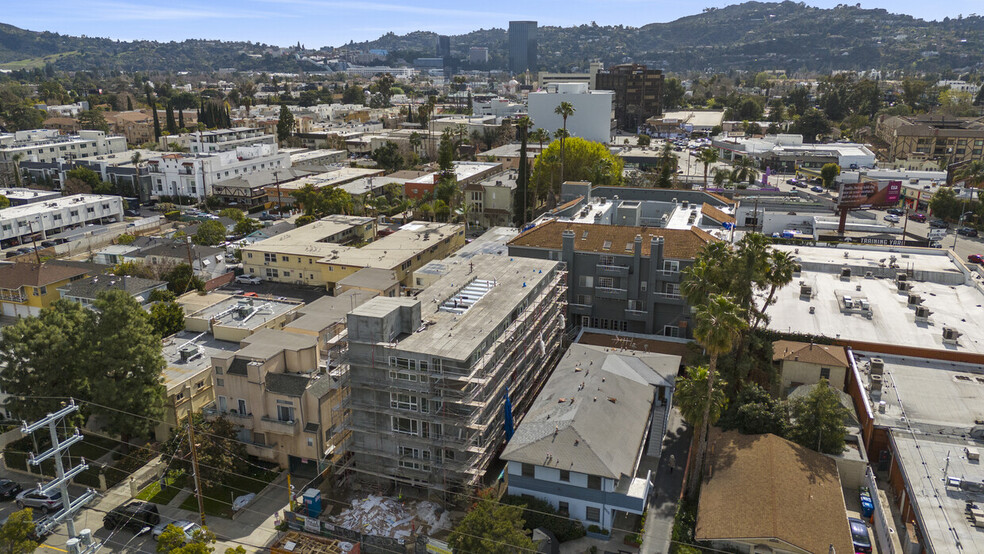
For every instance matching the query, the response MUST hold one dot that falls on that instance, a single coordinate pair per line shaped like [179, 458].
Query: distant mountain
[750, 36]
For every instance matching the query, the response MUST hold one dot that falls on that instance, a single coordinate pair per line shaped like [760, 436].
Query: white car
[248, 280]
[892, 218]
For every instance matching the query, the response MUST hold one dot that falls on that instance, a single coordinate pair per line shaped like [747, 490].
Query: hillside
[748, 36]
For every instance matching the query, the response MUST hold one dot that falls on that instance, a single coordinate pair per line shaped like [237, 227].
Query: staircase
[656, 431]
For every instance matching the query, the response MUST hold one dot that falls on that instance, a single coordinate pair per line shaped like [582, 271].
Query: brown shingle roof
[763, 487]
[19, 274]
[716, 214]
[568, 204]
[681, 244]
[724, 199]
[809, 353]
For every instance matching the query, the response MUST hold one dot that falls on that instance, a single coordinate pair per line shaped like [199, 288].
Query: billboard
[869, 194]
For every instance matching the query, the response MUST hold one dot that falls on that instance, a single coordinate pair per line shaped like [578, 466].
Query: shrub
[539, 513]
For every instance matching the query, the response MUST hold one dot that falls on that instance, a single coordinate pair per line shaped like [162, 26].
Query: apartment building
[429, 375]
[48, 145]
[592, 118]
[951, 139]
[622, 278]
[19, 224]
[638, 93]
[219, 140]
[193, 175]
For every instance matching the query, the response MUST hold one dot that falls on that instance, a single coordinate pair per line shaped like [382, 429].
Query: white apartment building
[219, 140]
[592, 118]
[47, 145]
[19, 223]
[960, 86]
[193, 175]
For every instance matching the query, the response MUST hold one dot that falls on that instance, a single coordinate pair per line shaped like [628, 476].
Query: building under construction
[430, 375]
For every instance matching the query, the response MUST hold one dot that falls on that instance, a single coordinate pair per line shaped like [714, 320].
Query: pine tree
[157, 122]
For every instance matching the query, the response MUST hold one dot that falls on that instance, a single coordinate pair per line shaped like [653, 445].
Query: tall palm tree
[744, 169]
[564, 110]
[540, 136]
[718, 324]
[690, 396]
[779, 274]
[971, 174]
[707, 156]
[137, 160]
[414, 141]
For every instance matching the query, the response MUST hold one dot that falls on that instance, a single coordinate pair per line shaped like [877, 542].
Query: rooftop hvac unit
[869, 275]
[923, 313]
[914, 300]
[686, 205]
[904, 286]
[877, 366]
[901, 277]
[950, 335]
[845, 274]
[806, 290]
[189, 352]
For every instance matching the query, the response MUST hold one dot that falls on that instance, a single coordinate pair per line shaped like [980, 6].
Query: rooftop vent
[923, 313]
[845, 274]
[877, 366]
[189, 352]
[904, 286]
[914, 300]
[950, 335]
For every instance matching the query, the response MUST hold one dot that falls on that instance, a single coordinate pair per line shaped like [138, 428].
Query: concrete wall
[592, 119]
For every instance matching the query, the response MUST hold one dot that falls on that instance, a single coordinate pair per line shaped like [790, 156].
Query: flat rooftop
[330, 178]
[199, 347]
[369, 184]
[245, 313]
[923, 261]
[24, 194]
[392, 250]
[27, 210]
[492, 242]
[892, 320]
[940, 509]
[462, 170]
[329, 310]
[456, 336]
[313, 238]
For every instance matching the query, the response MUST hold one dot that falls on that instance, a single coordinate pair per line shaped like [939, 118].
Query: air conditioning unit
[914, 300]
[869, 275]
[901, 277]
[950, 335]
[904, 286]
[806, 290]
[923, 313]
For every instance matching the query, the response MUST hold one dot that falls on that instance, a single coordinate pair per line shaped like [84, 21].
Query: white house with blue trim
[580, 444]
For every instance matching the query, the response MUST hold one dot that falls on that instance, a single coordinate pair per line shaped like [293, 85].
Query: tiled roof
[765, 487]
[716, 214]
[809, 353]
[19, 274]
[681, 244]
[724, 199]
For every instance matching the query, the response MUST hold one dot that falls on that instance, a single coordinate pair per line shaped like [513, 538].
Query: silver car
[189, 528]
[45, 503]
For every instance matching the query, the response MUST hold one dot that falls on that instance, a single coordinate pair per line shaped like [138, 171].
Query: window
[583, 299]
[585, 281]
[606, 282]
[528, 470]
[565, 476]
[269, 258]
[271, 272]
[642, 286]
[564, 508]
[607, 259]
[406, 426]
[607, 245]
[671, 265]
[592, 514]
[284, 258]
[220, 382]
[310, 441]
[200, 385]
[179, 397]
[285, 413]
[242, 407]
[825, 373]
[410, 458]
[671, 331]
[594, 482]
[403, 401]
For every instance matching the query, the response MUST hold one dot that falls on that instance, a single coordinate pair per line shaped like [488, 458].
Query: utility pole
[83, 541]
[194, 467]
[34, 240]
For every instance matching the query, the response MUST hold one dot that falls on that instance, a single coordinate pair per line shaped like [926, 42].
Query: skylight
[467, 296]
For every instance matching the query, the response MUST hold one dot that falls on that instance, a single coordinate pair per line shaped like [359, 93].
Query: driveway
[667, 486]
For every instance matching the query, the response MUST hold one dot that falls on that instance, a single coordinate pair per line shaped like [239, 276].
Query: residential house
[86, 291]
[26, 288]
[802, 363]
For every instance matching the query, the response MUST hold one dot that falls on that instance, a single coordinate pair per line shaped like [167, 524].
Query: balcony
[271, 425]
[612, 293]
[670, 298]
[580, 309]
[636, 315]
[262, 451]
[612, 270]
[668, 276]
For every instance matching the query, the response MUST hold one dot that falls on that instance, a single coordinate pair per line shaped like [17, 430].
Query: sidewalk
[666, 487]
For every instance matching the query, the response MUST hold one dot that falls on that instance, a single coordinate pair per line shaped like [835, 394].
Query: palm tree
[744, 169]
[690, 396]
[564, 110]
[971, 174]
[779, 274]
[718, 324]
[464, 210]
[523, 181]
[414, 141]
[137, 160]
[540, 135]
[707, 156]
[17, 172]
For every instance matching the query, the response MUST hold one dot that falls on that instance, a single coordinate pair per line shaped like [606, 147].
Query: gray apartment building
[621, 278]
[429, 375]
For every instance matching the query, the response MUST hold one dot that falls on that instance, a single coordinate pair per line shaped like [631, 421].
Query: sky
[317, 23]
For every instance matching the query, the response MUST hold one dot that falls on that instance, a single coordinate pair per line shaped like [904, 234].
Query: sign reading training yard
[871, 194]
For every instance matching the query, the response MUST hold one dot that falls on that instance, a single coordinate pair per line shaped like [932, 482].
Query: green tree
[4, 202]
[353, 95]
[17, 111]
[388, 156]
[643, 140]
[15, 535]
[445, 151]
[45, 353]
[94, 120]
[818, 420]
[813, 125]
[491, 528]
[782, 265]
[708, 157]
[308, 197]
[181, 278]
[828, 173]
[285, 125]
[209, 233]
[521, 199]
[221, 456]
[83, 180]
[246, 226]
[174, 541]
[691, 397]
[564, 110]
[673, 93]
[971, 174]
[744, 169]
[126, 365]
[167, 318]
[585, 161]
[234, 214]
[755, 411]
[718, 326]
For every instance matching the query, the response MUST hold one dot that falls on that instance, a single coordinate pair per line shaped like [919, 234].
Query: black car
[967, 231]
[939, 224]
[133, 516]
[896, 211]
[9, 489]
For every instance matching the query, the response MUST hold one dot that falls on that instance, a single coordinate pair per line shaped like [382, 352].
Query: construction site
[433, 377]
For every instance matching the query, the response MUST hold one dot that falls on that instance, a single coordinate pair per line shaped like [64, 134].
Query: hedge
[538, 513]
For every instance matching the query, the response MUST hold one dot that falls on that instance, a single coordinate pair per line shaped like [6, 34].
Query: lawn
[218, 500]
[31, 63]
[152, 492]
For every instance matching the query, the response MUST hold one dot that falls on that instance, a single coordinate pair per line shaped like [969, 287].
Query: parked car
[892, 218]
[896, 211]
[816, 188]
[44, 503]
[921, 218]
[9, 489]
[859, 535]
[976, 259]
[967, 231]
[938, 224]
[133, 516]
[248, 280]
[189, 528]
[793, 182]
[268, 217]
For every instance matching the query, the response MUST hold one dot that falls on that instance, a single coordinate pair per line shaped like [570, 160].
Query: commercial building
[938, 137]
[428, 375]
[27, 288]
[638, 93]
[762, 493]
[47, 145]
[592, 118]
[546, 79]
[788, 153]
[522, 47]
[19, 224]
[680, 124]
[623, 278]
[194, 175]
[250, 189]
[565, 453]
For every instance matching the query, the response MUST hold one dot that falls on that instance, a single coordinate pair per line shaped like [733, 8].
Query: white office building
[193, 175]
[592, 119]
[19, 223]
[47, 145]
